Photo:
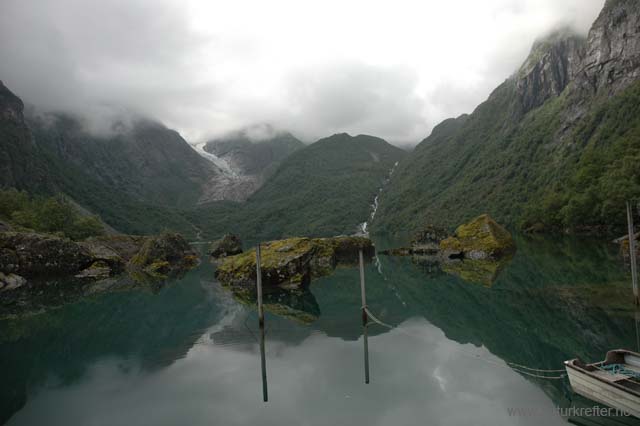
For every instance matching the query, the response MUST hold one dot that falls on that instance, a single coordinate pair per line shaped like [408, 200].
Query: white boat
[614, 382]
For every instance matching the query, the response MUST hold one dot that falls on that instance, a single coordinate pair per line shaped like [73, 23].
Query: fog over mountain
[208, 67]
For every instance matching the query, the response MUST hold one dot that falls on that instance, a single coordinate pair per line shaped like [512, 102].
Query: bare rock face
[551, 65]
[612, 57]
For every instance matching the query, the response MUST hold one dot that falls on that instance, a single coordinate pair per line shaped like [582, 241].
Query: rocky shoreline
[34, 265]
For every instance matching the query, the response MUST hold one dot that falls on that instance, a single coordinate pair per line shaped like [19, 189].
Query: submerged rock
[293, 262]
[229, 245]
[482, 238]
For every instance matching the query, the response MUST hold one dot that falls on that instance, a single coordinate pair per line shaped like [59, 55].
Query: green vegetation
[525, 170]
[325, 189]
[53, 215]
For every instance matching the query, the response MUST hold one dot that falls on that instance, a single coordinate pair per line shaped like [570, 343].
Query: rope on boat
[519, 368]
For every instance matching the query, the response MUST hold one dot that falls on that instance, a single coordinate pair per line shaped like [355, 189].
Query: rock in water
[30, 254]
[164, 254]
[229, 245]
[479, 239]
[428, 240]
[293, 262]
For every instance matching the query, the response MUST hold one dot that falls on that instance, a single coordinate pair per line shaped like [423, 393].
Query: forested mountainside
[326, 188]
[146, 178]
[115, 178]
[555, 147]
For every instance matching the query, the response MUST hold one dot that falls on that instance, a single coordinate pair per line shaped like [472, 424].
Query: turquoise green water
[189, 352]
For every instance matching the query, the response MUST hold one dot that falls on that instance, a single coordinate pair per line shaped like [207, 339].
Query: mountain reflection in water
[191, 353]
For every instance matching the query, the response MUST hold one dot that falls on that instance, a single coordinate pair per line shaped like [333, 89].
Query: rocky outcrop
[229, 245]
[424, 243]
[19, 164]
[293, 262]
[43, 257]
[164, 254]
[552, 64]
[612, 58]
[480, 239]
[477, 252]
[31, 254]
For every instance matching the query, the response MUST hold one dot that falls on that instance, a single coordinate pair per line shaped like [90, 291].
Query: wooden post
[363, 292]
[263, 365]
[259, 286]
[632, 254]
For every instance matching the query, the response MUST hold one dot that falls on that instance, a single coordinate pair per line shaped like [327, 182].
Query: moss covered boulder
[480, 239]
[161, 255]
[229, 245]
[293, 262]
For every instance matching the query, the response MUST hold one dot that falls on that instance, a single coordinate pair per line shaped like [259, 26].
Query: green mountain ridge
[555, 147]
[324, 189]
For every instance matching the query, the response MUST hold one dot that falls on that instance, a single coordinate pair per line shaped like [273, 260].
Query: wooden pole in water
[632, 253]
[363, 292]
[263, 365]
[259, 286]
[366, 354]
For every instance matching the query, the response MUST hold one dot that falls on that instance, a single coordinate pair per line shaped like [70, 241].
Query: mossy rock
[482, 238]
[229, 245]
[293, 262]
[166, 249]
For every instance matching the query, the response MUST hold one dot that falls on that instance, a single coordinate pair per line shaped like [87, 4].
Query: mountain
[143, 159]
[17, 150]
[324, 189]
[133, 179]
[248, 156]
[555, 147]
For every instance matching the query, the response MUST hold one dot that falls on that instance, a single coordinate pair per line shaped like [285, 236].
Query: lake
[455, 348]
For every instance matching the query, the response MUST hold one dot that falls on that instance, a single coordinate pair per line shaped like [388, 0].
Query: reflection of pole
[259, 285]
[632, 254]
[637, 319]
[263, 364]
[366, 355]
[363, 292]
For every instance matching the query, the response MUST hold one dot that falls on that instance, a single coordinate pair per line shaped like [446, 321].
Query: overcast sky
[205, 67]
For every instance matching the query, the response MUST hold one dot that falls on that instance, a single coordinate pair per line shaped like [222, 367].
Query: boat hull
[605, 393]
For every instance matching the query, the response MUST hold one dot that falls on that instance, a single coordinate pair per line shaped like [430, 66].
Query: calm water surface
[189, 353]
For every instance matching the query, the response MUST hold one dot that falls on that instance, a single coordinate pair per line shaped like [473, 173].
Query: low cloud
[209, 67]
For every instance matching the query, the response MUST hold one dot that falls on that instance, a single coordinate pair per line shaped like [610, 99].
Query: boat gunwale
[571, 364]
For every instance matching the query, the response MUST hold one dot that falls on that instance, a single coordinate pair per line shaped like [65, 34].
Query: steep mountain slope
[248, 157]
[556, 146]
[145, 160]
[18, 167]
[56, 160]
[326, 188]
